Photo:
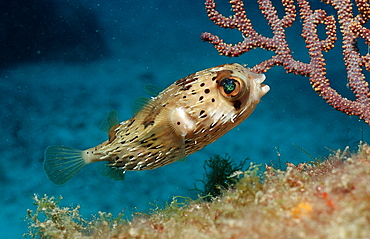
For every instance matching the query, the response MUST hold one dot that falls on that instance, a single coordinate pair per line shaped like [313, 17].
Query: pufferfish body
[182, 119]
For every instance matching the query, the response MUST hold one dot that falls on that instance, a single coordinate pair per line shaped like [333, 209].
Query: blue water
[65, 64]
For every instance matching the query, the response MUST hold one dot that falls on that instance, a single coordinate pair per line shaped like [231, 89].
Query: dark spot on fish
[213, 100]
[185, 88]
[178, 123]
[123, 142]
[112, 133]
[154, 154]
[151, 138]
[87, 152]
[143, 142]
[212, 125]
[184, 96]
[186, 81]
[201, 98]
[214, 78]
[237, 104]
[134, 138]
[149, 145]
[131, 156]
[147, 123]
[201, 85]
[183, 80]
[127, 134]
[202, 114]
[206, 91]
[117, 158]
[130, 123]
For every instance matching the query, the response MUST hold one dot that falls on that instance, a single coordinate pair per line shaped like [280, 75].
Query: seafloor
[321, 199]
[66, 64]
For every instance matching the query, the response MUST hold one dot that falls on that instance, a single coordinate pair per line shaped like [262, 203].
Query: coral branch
[351, 27]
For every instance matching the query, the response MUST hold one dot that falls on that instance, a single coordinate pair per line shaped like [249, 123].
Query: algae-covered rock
[327, 199]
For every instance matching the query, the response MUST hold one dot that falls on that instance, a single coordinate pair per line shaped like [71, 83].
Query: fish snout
[259, 79]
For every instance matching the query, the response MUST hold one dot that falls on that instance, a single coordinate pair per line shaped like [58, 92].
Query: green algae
[219, 176]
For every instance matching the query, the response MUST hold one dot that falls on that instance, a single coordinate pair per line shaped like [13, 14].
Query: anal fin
[111, 172]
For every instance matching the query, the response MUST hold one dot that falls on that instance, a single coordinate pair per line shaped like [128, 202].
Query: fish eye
[231, 87]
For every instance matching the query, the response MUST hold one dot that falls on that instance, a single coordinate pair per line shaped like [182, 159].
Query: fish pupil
[229, 85]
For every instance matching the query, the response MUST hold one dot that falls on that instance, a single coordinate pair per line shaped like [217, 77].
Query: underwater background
[64, 64]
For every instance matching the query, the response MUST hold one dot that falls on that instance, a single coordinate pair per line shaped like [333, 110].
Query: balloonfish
[182, 119]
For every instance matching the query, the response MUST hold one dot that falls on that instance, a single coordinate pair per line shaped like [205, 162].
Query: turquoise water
[66, 64]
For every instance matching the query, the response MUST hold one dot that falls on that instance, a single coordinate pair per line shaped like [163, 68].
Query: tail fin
[62, 163]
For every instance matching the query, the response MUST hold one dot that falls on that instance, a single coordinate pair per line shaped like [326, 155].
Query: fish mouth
[265, 88]
[259, 80]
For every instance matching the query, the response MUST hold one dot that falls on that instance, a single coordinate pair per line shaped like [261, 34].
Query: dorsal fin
[139, 104]
[152, 90]
[110, 124]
